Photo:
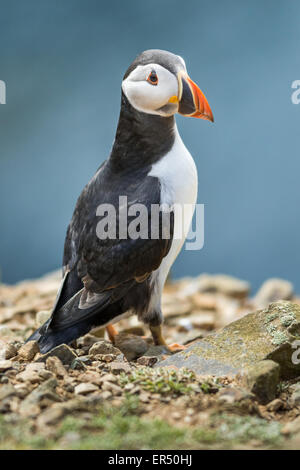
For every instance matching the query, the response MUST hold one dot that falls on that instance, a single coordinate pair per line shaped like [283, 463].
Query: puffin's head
[157, 83]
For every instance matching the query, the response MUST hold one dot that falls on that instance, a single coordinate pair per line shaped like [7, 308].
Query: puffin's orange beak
[192, 101]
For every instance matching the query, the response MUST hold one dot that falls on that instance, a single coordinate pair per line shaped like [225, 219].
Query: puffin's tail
[49, 338]
[68, 322]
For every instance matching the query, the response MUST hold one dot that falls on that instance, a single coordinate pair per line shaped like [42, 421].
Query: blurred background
[63, 62]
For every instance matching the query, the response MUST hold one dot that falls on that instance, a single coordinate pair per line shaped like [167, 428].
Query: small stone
[273, 290]
[105, 357]
[105, 395]
[22, 391]
[55, 365]
[293, 427]
[135, 390]
[78, 364]
[31, 373]
[204, 301]
[118, 367]
[87, 341]
[51, 415]
[46, 391]
[6, 391]
[147, 361]
[262, 379]
[131, 346]
[103, 347]
[275, 405]
[85, 388]
[110, 387]
[5, 365]
[223, 284]
[90, 376]
[46, 374]
[129, 387]
[10, 351]
[108, 378]
[41, 317]
[29, 350]
[295, 398]
[63, 352]
[203, 320]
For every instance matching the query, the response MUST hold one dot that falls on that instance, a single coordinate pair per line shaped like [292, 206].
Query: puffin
[106, 278]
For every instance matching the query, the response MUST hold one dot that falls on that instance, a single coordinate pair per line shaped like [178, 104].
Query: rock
[63, 352]
[105, 357]
[131, 346]
[264, 334]
[103, 347]
[262, 379]
[223, 284]
[295, 398]
[203, 320]
[85, 388]
[108, 378]
[147, 361]
[113, 388]
[29, 350]
[78, 364]
[105, 395]
[51, 416]
[232, 395]
[175, 309]
[87, 340]
[134, 330]
[157, 351]
[275, 405]
[46, 391]
[7, 391]
[90, 376]
[31, 373]
[5, 365]
[55, 365]
[204, 301]
[293, 427]
[41, 317]
[273, 290]
[9, 351]
[118, 367]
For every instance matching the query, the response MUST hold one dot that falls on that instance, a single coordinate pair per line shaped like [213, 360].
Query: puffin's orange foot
[174, 347]
[112, 332]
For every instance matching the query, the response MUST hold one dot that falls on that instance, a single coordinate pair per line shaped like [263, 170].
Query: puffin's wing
[106, 268]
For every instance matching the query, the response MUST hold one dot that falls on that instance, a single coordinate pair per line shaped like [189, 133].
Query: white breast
[179, 184]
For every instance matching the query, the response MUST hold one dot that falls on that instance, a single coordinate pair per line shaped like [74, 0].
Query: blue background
[63, 63]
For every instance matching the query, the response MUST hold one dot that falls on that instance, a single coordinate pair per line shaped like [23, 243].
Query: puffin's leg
[112, 332]
[159, 340]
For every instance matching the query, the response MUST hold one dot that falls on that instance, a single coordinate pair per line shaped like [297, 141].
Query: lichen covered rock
[265, 334]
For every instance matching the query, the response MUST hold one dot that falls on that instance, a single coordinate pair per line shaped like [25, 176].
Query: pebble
[293, 427]
[9, 351]
[6, 391]
[63, 352]
[111, 387]
[275, 405]
[147, 361]
[103, 347]
[5, 365]
[54, 364]
[118, 367]
[108, 378]
[28, 350]
[85, 388]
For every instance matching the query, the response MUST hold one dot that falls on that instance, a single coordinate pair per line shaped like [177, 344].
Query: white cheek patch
[146, 97]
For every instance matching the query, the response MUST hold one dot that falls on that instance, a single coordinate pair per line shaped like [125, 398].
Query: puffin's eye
[153, 78]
